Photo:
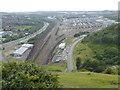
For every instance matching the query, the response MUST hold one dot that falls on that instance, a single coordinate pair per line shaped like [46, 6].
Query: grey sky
[57, 5]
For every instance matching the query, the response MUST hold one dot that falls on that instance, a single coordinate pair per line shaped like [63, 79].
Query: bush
[27, 75]
[94, 65]
[109, 71]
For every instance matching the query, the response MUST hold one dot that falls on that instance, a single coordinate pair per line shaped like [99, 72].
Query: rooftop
[27, 45]
[20, 51]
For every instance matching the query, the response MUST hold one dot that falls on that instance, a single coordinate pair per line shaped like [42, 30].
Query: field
[56, 67]
[87, 80]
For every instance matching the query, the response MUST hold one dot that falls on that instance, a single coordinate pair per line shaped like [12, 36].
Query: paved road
[70, 63]
[15, 42]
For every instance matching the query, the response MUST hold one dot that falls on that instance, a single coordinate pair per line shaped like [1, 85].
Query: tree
[118, 70]
[78, 63]
[94, 65]
[27, 75]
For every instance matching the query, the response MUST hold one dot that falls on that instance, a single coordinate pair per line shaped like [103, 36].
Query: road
[15, 42]
[70, 63]
[70, 48]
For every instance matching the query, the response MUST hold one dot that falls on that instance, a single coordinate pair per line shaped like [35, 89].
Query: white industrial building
[19, 52]
[2, 33]
[62, 46]
[27, 45]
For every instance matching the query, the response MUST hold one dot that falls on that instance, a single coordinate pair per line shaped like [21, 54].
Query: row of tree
[95, 66]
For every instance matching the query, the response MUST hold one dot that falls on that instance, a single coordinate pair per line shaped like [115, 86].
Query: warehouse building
[62, 46]
[19, 52]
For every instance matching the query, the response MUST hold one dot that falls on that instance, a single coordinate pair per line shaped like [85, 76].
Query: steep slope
[100, 49]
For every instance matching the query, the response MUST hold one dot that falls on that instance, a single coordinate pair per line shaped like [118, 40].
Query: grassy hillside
[88, 80]
[99, 50]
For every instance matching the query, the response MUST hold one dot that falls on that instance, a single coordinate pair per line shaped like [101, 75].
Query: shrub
[109, 71]
[27, 75]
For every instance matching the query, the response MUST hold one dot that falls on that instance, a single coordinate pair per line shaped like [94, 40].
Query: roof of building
[27, 45]
[2, 32]
[20, 51]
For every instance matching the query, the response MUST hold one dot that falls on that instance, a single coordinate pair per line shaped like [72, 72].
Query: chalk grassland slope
[100, 48]
[88, 80]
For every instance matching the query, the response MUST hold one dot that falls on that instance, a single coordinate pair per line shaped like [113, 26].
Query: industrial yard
[53, 46]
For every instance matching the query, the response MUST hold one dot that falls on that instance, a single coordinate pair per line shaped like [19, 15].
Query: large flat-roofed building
[19, 52]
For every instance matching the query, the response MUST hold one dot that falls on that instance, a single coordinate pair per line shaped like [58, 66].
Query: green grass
[55, 50]
[87, 80]
[56, 67]
[83, 51]
[59, 32]
[69, 40]
[99, 48]
[86, 51]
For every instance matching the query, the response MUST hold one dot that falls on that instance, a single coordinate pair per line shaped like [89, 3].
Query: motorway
[24, 39]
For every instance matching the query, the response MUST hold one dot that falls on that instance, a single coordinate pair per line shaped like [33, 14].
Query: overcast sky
[57, 5]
